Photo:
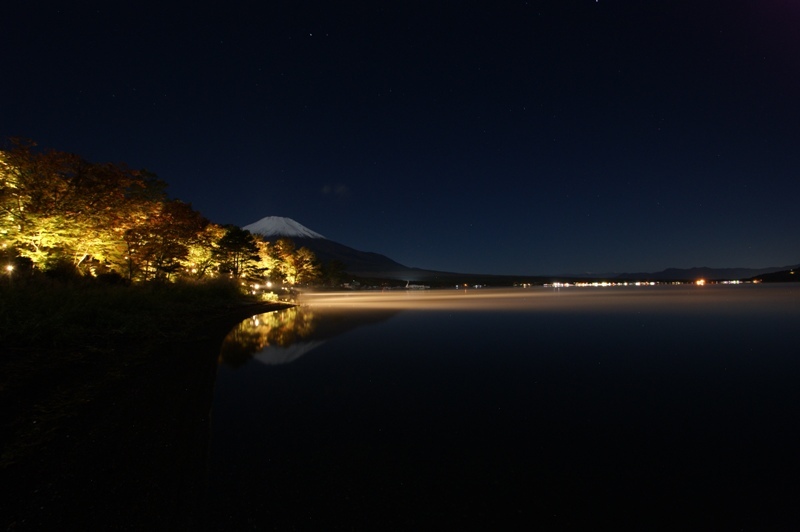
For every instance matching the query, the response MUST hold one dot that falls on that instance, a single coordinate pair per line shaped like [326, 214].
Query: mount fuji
[356, 262]
[278, 226]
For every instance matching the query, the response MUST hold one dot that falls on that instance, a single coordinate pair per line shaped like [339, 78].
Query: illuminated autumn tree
[158, 247]
[293, 265]
[236, 251]
[64, 212]
[266, 264]
[282, 252]
[39, 200]
[57, 207]
[306, 266]
[202, 259]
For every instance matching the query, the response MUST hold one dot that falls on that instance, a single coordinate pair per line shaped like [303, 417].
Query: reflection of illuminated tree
[240, 345]
[280, 328]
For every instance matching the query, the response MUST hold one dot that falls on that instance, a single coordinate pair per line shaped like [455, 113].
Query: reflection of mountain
[281, 336]
[274, 355]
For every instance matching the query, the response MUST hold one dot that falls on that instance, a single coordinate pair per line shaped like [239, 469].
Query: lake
[654, 407]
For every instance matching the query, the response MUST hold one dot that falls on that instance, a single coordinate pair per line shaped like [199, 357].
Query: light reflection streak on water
[618, 299]
[424, 299]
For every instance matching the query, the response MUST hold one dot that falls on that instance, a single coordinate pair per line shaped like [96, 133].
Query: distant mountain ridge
[356, 262]
[369, 264]
[709, 274]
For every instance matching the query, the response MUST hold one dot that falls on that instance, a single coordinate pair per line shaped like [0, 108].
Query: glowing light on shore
[700, 282]
[600, 284]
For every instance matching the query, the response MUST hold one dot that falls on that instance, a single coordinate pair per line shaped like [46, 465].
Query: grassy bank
[105, 394]
[96, 316]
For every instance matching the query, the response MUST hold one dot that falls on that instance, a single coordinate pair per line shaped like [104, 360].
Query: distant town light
[700, 282]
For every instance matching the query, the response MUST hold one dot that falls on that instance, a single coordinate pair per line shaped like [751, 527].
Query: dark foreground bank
[114, 437]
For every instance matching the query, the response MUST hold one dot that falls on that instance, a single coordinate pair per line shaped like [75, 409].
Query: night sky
[495, 137]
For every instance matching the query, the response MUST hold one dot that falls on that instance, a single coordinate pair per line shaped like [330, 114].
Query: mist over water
[654, 406]
[651, 299]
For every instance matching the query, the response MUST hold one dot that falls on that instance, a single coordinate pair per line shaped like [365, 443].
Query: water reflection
[500, 408]
[282, 336]
[267, 337]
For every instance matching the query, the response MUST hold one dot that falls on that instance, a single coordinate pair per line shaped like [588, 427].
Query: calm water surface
[656, 406]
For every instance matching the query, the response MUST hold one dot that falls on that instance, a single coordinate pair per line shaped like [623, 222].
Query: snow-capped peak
[280, 226]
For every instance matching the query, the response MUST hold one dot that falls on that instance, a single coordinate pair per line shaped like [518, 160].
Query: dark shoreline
[129, 453]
